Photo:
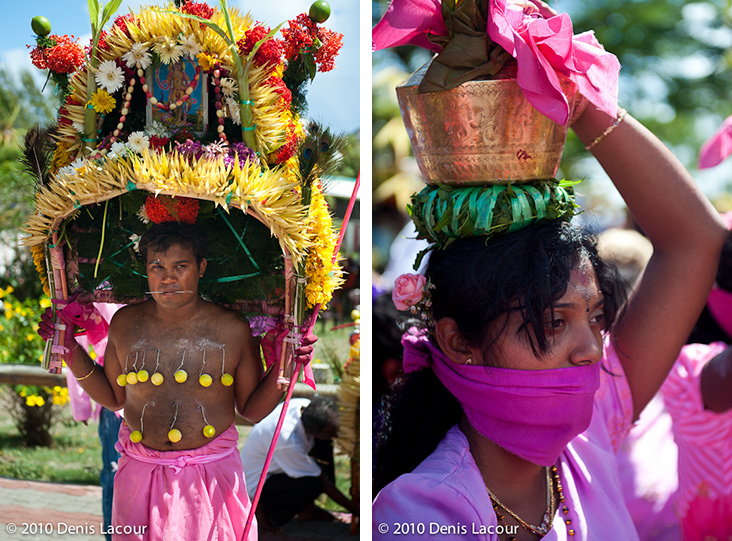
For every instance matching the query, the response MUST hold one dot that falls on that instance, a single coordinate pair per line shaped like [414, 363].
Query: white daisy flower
[67, 170]
[229, 87]
[118, 150]
[138, 55]
[78, 163]
[109, 76]
[138, 141]
[135, 238]
[234, 110]
[168, 51]
[190, 46]
[142, 214]
[157, 129]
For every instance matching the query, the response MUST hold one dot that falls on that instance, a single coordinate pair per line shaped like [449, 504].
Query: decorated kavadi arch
[188, 114]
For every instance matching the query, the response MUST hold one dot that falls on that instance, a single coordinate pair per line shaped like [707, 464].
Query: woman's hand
[532, 6]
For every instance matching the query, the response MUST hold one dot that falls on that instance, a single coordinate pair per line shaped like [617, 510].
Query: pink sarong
[192, 495]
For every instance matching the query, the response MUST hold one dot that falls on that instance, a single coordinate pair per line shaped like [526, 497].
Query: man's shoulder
[127, 313]
[224, 316]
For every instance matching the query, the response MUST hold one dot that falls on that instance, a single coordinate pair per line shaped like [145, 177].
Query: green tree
[22, 106]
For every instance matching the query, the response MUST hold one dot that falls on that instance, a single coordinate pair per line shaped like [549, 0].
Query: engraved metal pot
[482, 132]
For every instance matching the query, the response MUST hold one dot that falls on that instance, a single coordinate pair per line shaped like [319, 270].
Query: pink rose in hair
[408, 290]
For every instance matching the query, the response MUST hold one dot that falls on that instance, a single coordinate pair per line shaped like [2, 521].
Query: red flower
[38, 58]
[287, 151]
[270, 52]
[101, 44]
[121, 23]
[199, 9]
[326, 53]
[158, 142]
[64, 57]
[298, 36]
[171, 209]
[279, 86]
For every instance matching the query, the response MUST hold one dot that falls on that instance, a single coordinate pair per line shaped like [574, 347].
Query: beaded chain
[562, 502]
[546, 524]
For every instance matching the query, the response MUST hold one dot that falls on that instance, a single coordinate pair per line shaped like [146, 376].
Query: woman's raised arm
[687, 236]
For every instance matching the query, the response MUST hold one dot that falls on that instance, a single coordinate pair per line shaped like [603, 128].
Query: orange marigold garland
[39, 261]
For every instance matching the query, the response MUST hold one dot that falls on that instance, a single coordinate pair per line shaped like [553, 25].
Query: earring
[469, 361]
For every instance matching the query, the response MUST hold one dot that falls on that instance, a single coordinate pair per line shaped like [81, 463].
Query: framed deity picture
[169, 84]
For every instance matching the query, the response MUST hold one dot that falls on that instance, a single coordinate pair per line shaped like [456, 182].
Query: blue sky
[333, 97]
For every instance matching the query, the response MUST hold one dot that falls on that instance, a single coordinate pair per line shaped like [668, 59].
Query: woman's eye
[555, 323]
[599, 319]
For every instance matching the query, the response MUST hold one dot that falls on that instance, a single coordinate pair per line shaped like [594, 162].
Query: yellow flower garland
[323, 276]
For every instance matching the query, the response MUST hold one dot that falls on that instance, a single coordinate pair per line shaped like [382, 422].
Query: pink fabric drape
[192, 495]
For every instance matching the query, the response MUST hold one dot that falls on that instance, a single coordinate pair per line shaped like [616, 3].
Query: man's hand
[304, 354]
[46, 329]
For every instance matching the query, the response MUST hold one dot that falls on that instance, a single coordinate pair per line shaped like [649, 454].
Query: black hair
[724, 271]
[162, 236]
[387, 328]
[319, 414]
[707, 329]
[477, 283]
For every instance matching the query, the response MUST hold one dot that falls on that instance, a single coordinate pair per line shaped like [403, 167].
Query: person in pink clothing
[531, 367]
[180, 367]
[697, 395]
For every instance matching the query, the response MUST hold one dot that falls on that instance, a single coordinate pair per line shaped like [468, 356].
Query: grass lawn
[76, 455]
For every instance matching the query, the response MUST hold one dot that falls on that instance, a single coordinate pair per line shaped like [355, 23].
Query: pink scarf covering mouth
[533, 414]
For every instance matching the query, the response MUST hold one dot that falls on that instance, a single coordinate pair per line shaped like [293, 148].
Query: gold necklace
[546, 523]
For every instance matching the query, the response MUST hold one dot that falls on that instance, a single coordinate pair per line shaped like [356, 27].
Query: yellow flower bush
[34, 408]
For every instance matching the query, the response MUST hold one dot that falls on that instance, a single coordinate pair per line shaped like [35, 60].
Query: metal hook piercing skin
[161, 292]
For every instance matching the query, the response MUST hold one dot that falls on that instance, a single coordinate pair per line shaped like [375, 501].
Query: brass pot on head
[481, 132]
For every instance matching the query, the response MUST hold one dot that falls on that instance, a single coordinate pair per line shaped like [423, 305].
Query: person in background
[647, 458]
[698, 396]
[302, 466]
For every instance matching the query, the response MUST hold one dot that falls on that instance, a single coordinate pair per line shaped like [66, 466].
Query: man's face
[173, 275]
